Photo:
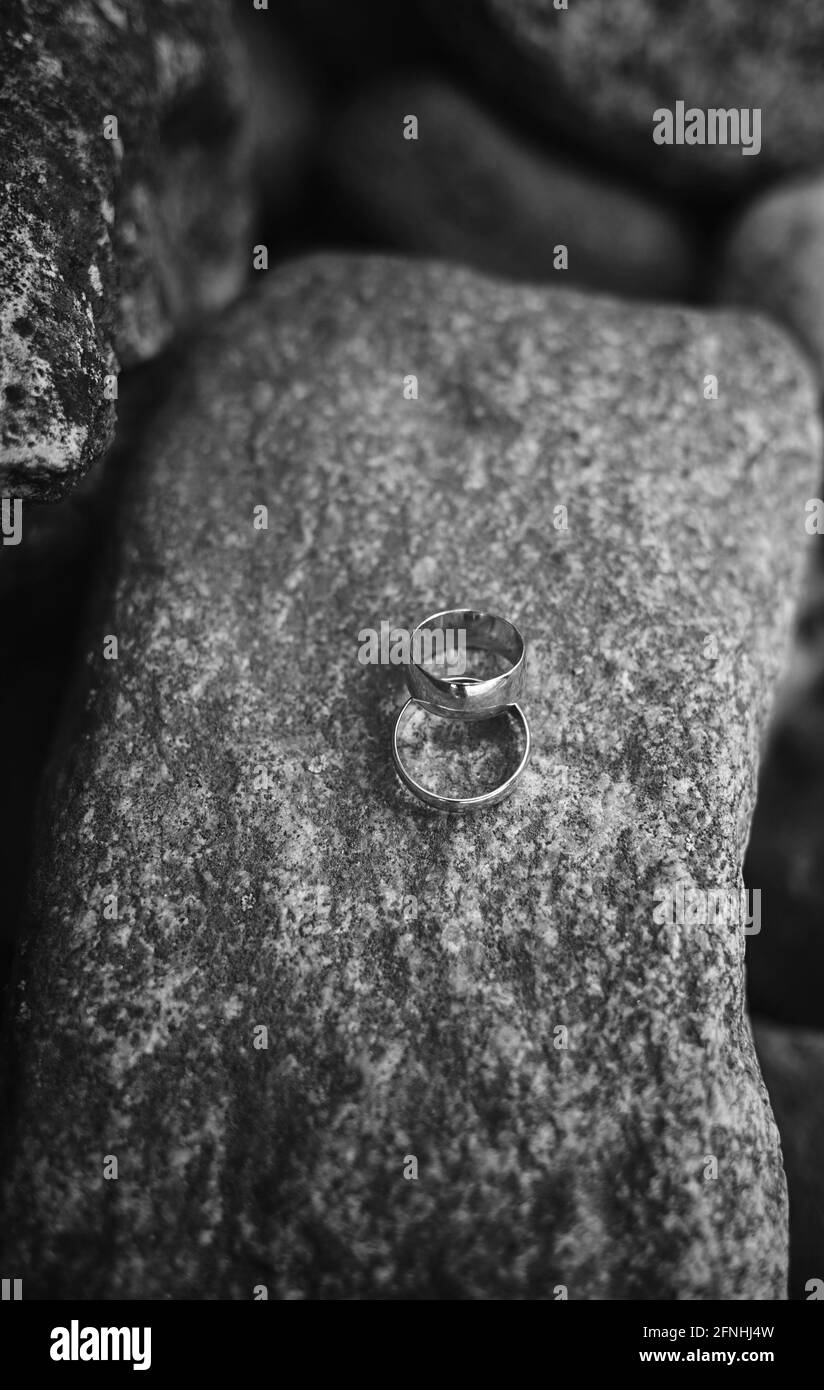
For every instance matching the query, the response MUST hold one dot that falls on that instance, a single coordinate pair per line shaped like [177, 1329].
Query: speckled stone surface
[774, 260]
[109, 245]
[792, 1060]
[596, 71]
[470, 189]
[491, 996]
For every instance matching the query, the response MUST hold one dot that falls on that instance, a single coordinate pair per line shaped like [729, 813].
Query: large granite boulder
[595, 72]
[279, 1026]
[113, 235]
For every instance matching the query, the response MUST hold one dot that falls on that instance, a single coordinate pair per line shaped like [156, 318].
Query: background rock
[284, 100]
[774, 261]
[347, 45]
[413, 973]
[110, 245]
[597, 71]
[468, 189]
[792, 1061]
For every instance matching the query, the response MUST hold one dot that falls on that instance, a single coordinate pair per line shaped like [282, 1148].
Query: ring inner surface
[458, 759]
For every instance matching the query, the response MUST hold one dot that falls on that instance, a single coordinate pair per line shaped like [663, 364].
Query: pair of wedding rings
[467, 698]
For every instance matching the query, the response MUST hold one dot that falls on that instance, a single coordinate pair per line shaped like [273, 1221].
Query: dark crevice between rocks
[51, 585]
[785, 855]
[785, 958]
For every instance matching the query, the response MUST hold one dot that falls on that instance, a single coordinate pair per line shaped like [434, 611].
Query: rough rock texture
[597, 71]
[229, 780]
[470, 190]
[774, 260]
[109, 244]
[792, 1061]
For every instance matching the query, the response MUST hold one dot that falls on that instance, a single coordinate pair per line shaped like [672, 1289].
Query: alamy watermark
[76, 1343]
[398, 646]
[682, 905]
[11, 520]
[715, 126]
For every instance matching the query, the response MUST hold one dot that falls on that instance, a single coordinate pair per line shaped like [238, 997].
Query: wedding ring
[461, 803]
[462, 697]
